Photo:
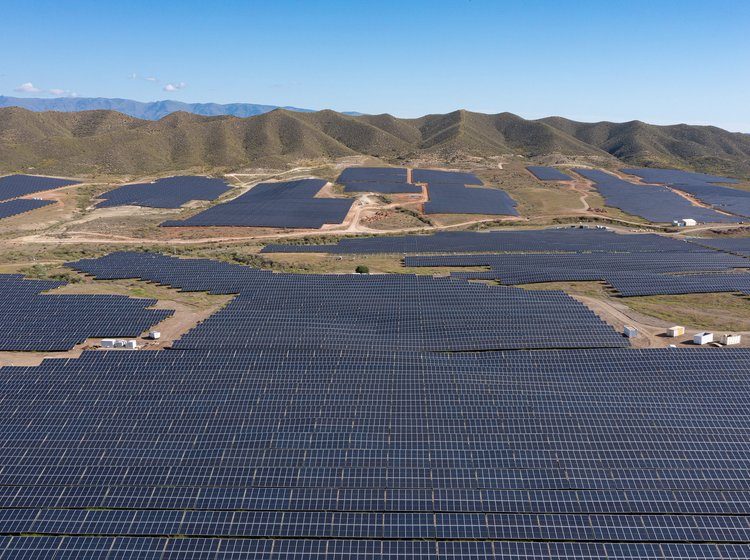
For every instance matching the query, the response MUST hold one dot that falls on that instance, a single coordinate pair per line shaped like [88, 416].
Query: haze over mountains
[150, 110]
[110, 142]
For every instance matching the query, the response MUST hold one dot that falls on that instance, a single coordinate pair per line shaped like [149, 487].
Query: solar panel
[171, 192]
[548, 173]
[381, 187]
[33, 322]
[736, 245]
[458, 199]
[567, 240]
[13, 186]
[631, 274]
[700, 185]
[387, 180]
[285, 204]
[444, 177]
[373, 175]
[356, 311]
[652, 202]
[620, 453]
[20, 206]
[332, 417]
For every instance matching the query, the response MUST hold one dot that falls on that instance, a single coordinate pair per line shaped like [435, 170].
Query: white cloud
[55, 91]
[175, 87]
[28, 87]
[133, 76]
[151, 79]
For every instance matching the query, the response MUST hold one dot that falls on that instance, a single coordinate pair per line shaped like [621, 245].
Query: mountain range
[110, 142]
[152, 110]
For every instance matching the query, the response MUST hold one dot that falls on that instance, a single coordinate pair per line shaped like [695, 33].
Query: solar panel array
[448, 194]
[457, 199]
[737, 245]
[700, 185]
[676, 176]
[543, 240]
[171, 192]
[653, 202]
[631, 274]
[382, 187]
[388, 180]
[444, 177]
[663, 284]
[13, 186]
[33, 322]
[613, 453]
[10, 208]
[373, 175]
[548, 173]
[345, 312]
[286, 204]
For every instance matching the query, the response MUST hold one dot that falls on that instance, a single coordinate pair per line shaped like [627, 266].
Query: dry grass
[721, 312]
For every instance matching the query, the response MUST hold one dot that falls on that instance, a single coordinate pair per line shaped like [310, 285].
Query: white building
[703, 338]
[730, 339]
[675, 331]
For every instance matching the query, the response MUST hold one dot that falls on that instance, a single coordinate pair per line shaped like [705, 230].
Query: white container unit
[154, 335]
[630, 332]
[703, 338]
[108, 343]
[131, 345]
[730, 339]
[689, 222]
[675, 331]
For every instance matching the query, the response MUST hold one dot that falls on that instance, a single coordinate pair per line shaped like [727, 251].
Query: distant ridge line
[110, 142]
[147, 110]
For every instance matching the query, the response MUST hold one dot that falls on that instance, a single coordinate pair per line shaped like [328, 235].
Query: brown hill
[107, 142]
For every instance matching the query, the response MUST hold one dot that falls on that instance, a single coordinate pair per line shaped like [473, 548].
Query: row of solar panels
[631, 274]
[34, 322]
[302, 549]
[658, 203]
[373, 525]
[566, 240]
[283, 204]
[176, 443]
[443, 500]
[398, 312]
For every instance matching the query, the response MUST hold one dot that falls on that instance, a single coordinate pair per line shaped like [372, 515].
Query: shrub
[362, 269]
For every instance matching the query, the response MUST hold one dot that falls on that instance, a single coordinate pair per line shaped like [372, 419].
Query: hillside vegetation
[108, 142]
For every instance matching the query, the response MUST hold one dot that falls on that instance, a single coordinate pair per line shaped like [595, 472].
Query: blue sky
[658, 61]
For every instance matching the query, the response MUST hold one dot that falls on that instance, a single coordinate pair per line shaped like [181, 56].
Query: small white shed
[703, 338]
[689, 222]
[131, 344]
[675, 331]
[630, 332]
[108, 343]
[730, 339]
